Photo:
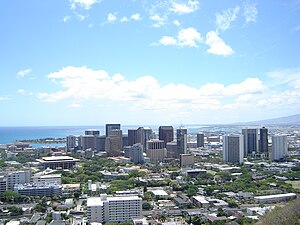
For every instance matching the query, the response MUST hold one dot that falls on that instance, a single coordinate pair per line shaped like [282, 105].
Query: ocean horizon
[11, 134]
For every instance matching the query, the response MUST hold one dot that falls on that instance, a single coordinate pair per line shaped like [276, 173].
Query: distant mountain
[287, 120]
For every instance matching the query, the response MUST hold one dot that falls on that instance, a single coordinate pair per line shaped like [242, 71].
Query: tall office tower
[132, 137]
[113, 209]
[100, 143]
[144, 134]
[71, 142]
[263, 140]
[113, 143]
[136, 154]
[88, 141]
[92, 132]
[172, 150]
[250, 141]
[279, 147]
[233, 148]
[181, 141]
[124, 140]
[156, 150]
[200, 139]
[110, 127]
[166, 133]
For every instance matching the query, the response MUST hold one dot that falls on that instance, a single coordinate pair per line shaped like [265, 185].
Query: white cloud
[184, 8]
[111, 17]
[75, 105]
[136, 17]
[86, 4]
[289, 77]
[124, 19]
[21, 91]
[186, 37]
[250, 12]
[224, 19]
[176, 23]
[3, 98]
[217, 45]
[82, 84]
[167, 40]
[66, 19]
[158, 21]
[80, 17]
[23, 73]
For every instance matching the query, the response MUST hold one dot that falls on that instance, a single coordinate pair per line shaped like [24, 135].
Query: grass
[295, 184]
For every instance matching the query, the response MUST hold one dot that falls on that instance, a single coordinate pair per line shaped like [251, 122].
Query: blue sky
[90, 62]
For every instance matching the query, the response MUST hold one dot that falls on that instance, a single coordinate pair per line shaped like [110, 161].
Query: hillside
[288, 120]
[288, 215]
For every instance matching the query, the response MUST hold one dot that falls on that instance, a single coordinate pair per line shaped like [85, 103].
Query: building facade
[113, 209]
[110, 127]
[233, 148]
[38, 189]
[166, 133]
[156, 150]
[181, 141]
[279, 147]
[200, 139]
[250, 141]
[263, 140]
[136, 153]
[58, 162]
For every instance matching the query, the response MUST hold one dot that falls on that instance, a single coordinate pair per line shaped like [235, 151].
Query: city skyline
[87, 62]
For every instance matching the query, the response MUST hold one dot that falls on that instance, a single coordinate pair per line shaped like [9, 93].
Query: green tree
[147, 206]
[196, 220]
[15, 211]
[221, 212]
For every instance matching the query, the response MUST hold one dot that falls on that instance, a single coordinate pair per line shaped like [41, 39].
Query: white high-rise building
[233, 148]
[71, 142]
[136, 153]
[113, 209]
[279, 147]
[18, 177]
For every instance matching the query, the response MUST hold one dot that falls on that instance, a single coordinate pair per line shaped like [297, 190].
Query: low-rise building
[159, 194]
[41, 189]
[58, 162]
[275, 198]
[46, 178]
[200, 201]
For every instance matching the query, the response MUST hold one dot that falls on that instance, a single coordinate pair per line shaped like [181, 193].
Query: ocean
[12, 134]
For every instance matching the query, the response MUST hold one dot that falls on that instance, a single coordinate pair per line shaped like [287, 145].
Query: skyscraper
[143, 135]
[181, 141]
[92, 132]
[279, 147]
[132, 137]
[113, 142]
[137, 154]
[156, 150]
[166, 133]
[110, 127]
[233, 148]
[71, 142]
[88, 141]
[263, 140]
[250, 141]
[200, 139]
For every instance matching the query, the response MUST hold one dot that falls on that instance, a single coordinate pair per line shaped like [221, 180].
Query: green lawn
[294, 183]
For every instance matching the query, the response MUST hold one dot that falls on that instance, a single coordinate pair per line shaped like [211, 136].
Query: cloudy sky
[90, 62]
